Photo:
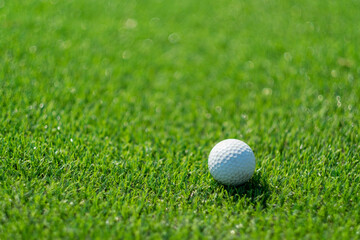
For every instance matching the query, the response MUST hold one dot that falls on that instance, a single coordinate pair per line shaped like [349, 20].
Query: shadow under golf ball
[256, 190]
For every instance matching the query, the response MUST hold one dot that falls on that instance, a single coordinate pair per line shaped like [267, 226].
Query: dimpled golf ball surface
[231, 162]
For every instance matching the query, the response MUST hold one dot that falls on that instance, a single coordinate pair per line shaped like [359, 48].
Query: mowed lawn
[109, 109]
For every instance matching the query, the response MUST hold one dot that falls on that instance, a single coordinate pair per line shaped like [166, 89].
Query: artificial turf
[109, 109]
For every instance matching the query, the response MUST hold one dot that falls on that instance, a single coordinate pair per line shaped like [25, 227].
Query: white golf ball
[231, 162]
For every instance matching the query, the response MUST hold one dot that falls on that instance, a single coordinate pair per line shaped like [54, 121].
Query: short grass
[109, 109]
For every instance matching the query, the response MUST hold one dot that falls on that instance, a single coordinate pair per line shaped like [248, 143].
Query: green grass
[109, 109]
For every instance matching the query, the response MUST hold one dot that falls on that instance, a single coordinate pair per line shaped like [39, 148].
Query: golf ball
[231, 162]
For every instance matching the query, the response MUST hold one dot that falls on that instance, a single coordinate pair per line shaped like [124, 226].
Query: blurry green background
[108, 110]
